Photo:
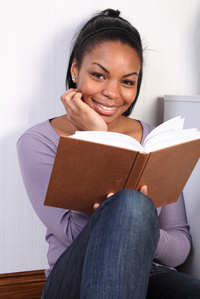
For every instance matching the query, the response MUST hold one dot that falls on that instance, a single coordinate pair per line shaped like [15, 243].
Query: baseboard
[22, 285]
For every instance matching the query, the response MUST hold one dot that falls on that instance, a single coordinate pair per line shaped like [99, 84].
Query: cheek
[88, 88]
[129, 96]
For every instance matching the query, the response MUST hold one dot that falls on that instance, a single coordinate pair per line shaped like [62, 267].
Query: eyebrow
[105, 70]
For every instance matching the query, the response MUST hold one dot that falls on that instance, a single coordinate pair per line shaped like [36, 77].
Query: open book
[89, 165]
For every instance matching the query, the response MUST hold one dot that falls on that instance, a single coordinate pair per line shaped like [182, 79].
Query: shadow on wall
[19, 224]
[160, 111]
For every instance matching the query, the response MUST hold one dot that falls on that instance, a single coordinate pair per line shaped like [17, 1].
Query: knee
[134, 200]
[132, 210]
[132, 203]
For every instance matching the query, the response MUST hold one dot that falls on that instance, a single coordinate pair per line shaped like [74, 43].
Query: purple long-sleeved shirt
[36, 151]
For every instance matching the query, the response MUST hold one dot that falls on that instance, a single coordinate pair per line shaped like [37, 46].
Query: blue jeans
[168, 284]
[112, 256]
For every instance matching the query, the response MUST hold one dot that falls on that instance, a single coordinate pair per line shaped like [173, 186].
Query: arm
[36, 152]
[175, 241]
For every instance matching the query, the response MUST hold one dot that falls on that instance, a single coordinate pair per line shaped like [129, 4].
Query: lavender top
[36, 153]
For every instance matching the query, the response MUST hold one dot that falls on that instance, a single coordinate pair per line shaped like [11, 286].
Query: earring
[73, 78]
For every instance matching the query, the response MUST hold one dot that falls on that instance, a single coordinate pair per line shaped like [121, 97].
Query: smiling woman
[104, 72]
[107, 83]
[108, 77]
[120, 250]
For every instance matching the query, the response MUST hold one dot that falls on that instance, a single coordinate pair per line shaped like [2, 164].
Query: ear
[74, 71]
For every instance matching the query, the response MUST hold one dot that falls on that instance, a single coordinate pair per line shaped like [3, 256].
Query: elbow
[173, 248]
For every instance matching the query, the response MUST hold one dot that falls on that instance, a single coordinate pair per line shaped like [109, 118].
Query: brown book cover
[85, 172]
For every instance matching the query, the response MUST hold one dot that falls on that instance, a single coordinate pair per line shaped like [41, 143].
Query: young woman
[127, 248]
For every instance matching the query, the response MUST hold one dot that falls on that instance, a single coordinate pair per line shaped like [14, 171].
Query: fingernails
[110, 194]
[96, 205]
[144, 189]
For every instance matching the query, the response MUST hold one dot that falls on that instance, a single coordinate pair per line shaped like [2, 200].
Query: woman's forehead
[113, 53]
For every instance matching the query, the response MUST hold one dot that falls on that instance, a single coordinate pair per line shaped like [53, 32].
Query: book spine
[136, 171]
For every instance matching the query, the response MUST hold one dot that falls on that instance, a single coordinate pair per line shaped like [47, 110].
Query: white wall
[34, 41]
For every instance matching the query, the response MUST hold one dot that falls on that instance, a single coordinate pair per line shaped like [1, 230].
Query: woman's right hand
[143, 189]
[96, 205]
[80, 114]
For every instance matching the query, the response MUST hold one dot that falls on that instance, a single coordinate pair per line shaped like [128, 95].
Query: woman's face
[108, 78]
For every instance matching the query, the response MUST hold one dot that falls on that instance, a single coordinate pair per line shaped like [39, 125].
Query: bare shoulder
[62, 126]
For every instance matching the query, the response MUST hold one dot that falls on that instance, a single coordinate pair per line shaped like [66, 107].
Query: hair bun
[111, 13]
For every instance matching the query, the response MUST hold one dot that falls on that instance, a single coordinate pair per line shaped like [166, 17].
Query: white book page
[167, 134]
[109, 138]
[171, 138]
[171, 125]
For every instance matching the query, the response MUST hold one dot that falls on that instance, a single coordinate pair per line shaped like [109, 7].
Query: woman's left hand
[144, 190]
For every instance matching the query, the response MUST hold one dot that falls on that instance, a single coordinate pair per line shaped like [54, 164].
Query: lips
[105, 110]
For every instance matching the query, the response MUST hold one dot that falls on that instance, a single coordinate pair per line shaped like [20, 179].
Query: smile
[106, 108]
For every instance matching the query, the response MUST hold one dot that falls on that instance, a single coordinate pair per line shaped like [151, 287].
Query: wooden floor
[22, 285]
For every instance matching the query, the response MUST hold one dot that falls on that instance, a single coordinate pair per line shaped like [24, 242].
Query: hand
[144, 190]
[96, 205]
[80, 114]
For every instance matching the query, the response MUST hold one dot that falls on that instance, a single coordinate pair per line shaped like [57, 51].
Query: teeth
[107, 108]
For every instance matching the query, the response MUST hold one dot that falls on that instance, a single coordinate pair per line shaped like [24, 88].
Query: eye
[98, 75]
[128, 82]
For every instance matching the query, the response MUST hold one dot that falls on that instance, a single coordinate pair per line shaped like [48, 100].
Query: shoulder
[40, 138]
[63, 126]
[146, 128]
[43, 132]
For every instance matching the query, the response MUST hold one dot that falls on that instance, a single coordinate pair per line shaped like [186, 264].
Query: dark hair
[105, 26]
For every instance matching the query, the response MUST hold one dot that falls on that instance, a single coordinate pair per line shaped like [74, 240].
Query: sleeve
[175, 241]
[36, 155]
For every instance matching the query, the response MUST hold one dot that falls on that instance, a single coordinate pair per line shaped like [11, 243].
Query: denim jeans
[112, 256]
[165, 283]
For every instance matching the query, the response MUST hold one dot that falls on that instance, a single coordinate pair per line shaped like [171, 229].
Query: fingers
[71, 99]
[80, 114]
[144, 190]
[95, 206]
[76, 109]
[109, 194]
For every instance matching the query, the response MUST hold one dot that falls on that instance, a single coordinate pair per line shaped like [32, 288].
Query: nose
[111, 90]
